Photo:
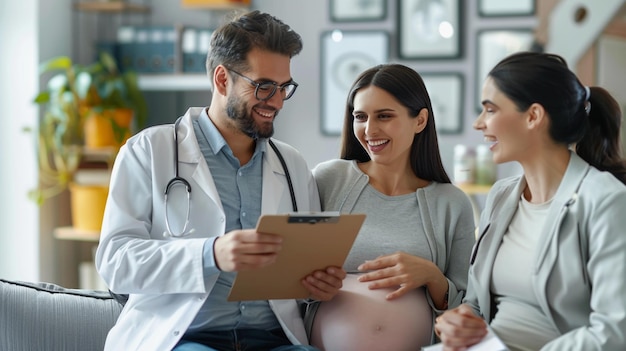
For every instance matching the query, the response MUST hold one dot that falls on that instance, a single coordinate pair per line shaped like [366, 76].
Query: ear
[536, 116]
[421, 120]
[220, 80]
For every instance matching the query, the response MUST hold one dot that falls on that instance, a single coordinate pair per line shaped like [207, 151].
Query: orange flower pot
[108, 128]
[87, 206]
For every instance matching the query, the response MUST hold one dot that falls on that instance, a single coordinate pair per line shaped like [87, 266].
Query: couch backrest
[43, 316]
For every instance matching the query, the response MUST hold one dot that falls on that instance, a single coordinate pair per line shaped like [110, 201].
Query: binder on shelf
[148, 49]
[125, 48]
[141, 50]
[162, 43]
[195, 45]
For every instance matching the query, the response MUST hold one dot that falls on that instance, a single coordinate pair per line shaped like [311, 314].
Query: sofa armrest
[43, 316]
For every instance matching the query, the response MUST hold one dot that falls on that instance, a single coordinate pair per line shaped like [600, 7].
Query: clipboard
[311, 242]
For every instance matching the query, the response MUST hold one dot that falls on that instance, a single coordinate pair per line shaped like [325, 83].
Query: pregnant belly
[362, 319]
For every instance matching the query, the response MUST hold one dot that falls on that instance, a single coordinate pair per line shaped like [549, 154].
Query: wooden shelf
[110, 6]
[474, 189]
[69, 233]
[216, 4]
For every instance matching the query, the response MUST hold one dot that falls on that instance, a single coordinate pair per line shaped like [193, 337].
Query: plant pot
[87, 206]
[109, 128]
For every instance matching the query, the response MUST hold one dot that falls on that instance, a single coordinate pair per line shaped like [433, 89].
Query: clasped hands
[460, 328]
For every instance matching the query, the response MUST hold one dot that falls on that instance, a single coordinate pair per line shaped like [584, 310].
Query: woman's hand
[460, 328]
[406, 272]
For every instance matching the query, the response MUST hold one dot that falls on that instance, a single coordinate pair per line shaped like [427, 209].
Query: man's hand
[241, 250]
[324, 284]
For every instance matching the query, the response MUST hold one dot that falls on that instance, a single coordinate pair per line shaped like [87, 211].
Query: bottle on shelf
[486, 171]
[464, 165]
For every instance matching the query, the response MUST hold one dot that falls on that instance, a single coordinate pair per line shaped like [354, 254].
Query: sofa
[48, 317]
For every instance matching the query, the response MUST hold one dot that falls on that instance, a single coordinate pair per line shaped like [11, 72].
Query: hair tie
[587, 102]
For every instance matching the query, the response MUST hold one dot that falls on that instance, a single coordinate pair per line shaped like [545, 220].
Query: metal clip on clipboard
[314, 217]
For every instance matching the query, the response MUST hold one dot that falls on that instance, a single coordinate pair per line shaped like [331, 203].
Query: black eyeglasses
[265, 90]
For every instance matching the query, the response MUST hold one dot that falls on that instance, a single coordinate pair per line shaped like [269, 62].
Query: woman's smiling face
[383, 125]
[502, 125]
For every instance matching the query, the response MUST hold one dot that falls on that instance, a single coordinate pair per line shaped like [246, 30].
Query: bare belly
[362, 319]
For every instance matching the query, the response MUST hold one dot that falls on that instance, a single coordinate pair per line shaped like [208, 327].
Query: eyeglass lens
[264, 91]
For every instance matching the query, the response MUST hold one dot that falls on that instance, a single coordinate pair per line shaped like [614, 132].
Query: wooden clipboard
[310, 242]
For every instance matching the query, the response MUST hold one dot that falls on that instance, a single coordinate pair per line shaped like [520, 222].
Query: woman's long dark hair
[589, 117]
[408, 88]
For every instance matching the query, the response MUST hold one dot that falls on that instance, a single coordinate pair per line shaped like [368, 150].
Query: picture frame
[508, 8]
[492, 46]
[446, 91]
[357, 10]
[429, 29]
[345, 55]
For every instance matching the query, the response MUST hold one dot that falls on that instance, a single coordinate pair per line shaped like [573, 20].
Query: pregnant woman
[410, 260]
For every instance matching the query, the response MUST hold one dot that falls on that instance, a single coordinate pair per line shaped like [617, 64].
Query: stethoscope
[178, 180]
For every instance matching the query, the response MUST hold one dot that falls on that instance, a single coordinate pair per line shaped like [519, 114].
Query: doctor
[177, 256]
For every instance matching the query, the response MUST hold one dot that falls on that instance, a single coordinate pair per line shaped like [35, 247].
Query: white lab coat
[164, 275]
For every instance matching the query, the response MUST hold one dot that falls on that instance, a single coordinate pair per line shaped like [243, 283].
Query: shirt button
[243, 214]
[176, 332]
[222, 219]
[240, 174]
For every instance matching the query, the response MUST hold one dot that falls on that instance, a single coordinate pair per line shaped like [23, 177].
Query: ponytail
[601, 146]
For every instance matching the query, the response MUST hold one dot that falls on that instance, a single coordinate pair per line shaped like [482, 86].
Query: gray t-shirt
[382, 232]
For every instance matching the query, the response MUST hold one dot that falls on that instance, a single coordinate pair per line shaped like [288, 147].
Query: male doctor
[177, 257]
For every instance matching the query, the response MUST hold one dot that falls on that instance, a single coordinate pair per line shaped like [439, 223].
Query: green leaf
[42, 98]
[109, 62]
[61, 62]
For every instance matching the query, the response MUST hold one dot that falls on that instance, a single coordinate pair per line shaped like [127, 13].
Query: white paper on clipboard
[311, 241]
[490, 342]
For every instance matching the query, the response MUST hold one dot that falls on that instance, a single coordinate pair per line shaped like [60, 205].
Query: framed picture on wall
[493, 46]
[446, 96]
[493, 8]
[358, 10]
[344, 55]
[429, 29]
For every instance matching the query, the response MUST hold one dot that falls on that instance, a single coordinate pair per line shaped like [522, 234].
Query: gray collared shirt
[240, 190]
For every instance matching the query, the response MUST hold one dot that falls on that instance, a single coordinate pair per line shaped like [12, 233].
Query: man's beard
[237, 111]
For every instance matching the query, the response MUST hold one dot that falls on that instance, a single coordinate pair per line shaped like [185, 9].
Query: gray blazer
[580, 273]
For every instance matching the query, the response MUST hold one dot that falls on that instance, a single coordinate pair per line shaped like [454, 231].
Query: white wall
[19, 241]
[612, 71]
[32, 31]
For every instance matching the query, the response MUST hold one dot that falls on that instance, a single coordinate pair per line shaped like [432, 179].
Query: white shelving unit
[174, 82]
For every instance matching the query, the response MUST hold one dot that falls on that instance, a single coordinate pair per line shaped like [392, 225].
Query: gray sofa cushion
[43, 316]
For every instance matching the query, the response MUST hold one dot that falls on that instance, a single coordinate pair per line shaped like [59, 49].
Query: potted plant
[118, 106]
[75, 96]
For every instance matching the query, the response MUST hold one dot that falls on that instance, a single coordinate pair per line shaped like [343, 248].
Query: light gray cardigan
[579, 277]
[444, 209]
